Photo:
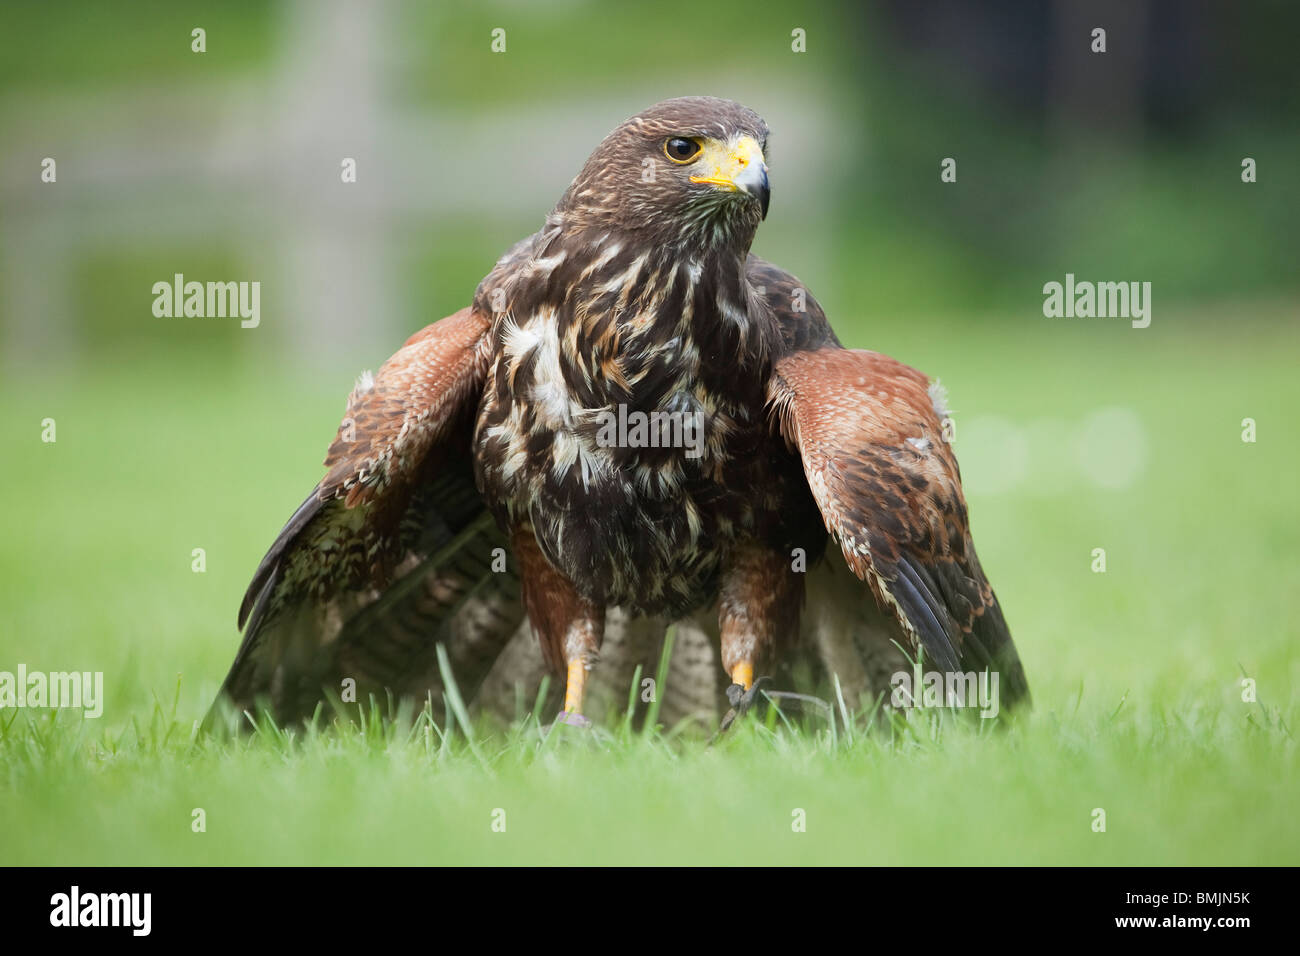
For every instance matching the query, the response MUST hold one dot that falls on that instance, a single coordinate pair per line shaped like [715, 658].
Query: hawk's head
[687, 172]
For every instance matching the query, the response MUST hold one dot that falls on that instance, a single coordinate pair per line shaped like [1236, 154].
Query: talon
[734, 694]
[741, 700]
[744, 699]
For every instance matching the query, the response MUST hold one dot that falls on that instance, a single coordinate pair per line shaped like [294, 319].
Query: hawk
[635, 420]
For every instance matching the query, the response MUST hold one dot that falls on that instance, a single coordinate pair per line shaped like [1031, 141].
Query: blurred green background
[1074, 434]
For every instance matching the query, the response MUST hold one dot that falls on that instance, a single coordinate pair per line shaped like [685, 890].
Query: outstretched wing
[868, 430]
[393, 551]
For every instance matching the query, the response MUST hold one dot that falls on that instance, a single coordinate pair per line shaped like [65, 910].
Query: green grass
[1176, 779]
[1136, 673]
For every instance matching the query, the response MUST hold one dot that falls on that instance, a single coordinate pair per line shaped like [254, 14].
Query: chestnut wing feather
[391, 552]
[871, 441]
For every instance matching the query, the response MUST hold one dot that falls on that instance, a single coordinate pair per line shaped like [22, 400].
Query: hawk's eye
[681, 150]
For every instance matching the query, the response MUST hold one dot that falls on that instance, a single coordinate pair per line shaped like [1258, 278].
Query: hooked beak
[738, 167]
[761, 190]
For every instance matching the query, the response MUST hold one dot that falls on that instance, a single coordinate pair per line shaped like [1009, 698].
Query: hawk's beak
[760, 189]
[739, 167]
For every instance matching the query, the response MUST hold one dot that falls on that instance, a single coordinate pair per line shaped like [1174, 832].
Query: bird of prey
[634, 422]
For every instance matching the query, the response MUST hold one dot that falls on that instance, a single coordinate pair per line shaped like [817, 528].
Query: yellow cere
[724, 161]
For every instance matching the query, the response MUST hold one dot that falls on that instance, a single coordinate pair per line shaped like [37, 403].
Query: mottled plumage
[474, 499]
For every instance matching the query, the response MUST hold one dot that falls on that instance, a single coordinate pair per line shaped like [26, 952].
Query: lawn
[1074, 436]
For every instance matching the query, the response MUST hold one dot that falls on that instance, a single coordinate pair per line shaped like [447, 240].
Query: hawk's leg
[581, 645]
[569, 627]
[758, 617]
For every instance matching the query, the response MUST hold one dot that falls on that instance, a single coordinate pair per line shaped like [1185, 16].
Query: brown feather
[888, 487]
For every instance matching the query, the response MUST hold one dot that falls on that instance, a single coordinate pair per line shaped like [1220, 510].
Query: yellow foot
[743, 674]
[575, 686]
